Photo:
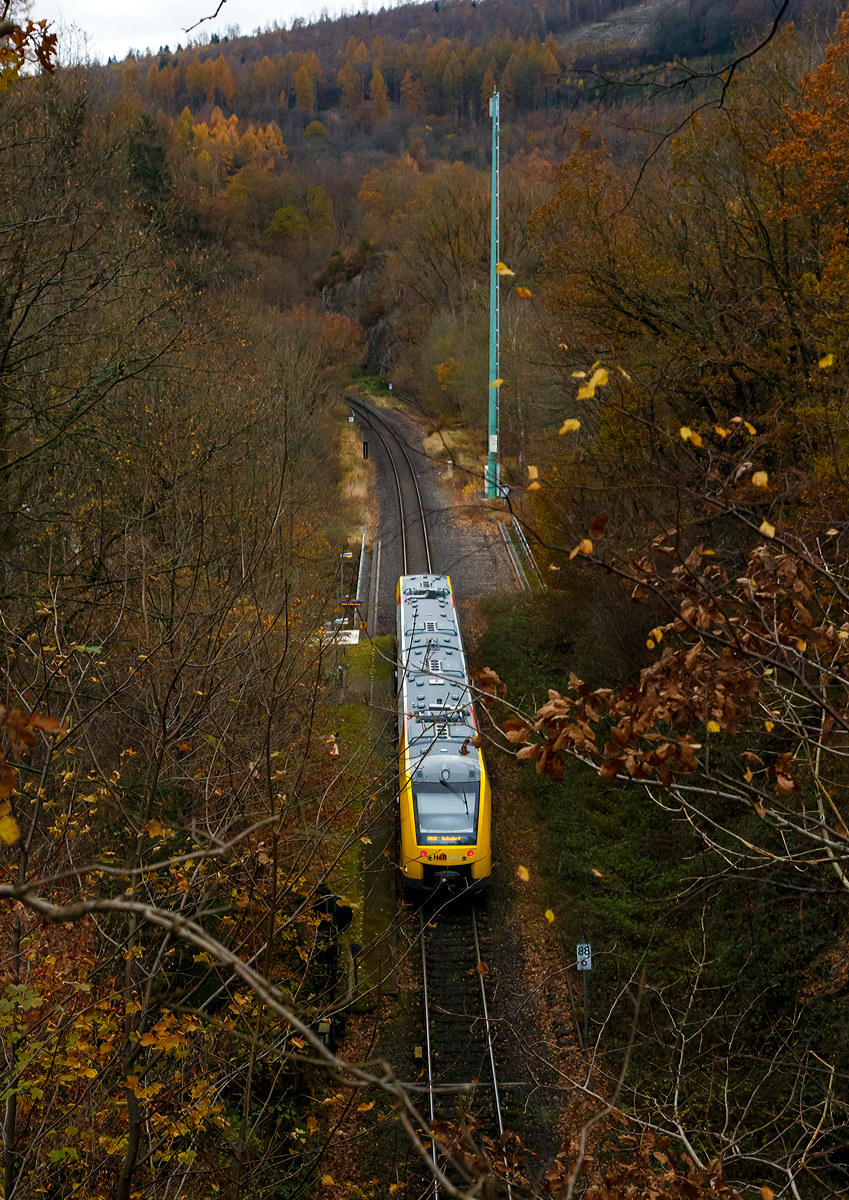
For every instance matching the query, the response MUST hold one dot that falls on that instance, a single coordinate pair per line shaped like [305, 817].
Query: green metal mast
[492, 466]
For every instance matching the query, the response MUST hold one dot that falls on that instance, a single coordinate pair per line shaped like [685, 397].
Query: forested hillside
[200, 249]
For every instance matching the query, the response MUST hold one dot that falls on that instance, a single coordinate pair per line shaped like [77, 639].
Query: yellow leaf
[501, 269]
[801, 645]
[549, 916]
[296, 1041]
[90, 1073]
[570, 425]
[766, 1192]
[686, 433]
[327, 1181]
[583, 547]
[750, 428]
[769, 726]
[760, 479]
[722, 432]
[496, 383]
[523, 874]
[827, 361]
[10, 831]
[650, 644]
[202, 957]
[533, 473]
[395, 1187]
[533, 487]
[713, 727]
[579, 374]
[767, 529]
[525, 293]
[599, 379]
[365, 1107]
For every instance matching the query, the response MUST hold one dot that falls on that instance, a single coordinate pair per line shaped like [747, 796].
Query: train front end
[444, 794]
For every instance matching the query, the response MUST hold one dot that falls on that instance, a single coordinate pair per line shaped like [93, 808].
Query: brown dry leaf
[583, 547]
[482, 968]
[365, 1107]
[20, 737]
[516, 730]
[598, 525]
[45, 724]
[8, 778]
[488, 682]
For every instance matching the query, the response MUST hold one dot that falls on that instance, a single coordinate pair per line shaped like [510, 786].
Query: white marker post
[584, 955]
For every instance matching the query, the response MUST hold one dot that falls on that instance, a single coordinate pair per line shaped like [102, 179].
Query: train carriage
[443, 785]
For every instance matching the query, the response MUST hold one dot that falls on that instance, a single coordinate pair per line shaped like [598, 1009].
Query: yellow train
[443, 785]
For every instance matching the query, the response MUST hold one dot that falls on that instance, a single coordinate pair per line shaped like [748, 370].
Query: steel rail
[530, 557]
[490, 1050]
[518, 569]
[374, 420]
[428, 1060]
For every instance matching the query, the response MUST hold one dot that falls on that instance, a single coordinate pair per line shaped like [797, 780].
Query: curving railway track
[459, 1043]
[412, 524]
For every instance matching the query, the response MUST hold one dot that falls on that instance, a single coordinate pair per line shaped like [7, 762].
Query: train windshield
[447, 814]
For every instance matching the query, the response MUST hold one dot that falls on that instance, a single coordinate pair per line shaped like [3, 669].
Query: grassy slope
[761, 946]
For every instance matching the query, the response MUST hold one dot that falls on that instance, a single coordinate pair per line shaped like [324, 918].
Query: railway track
[459, 1044]
[414, 546]
[460, 1047]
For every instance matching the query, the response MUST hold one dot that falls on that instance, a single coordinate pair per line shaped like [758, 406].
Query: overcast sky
[113, 27]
